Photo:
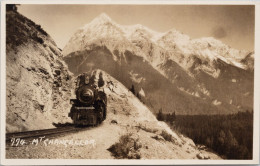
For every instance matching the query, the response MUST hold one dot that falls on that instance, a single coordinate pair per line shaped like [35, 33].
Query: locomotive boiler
[89, 107]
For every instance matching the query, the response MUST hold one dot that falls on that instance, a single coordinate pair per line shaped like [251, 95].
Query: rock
[201, 147]
[203, 156]
[115, 112]
[200, 156]
[206, 157]
[113, 122]
[158, 137]
[57, 72]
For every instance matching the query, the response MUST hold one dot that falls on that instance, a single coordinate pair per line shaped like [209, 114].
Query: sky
[232, 24]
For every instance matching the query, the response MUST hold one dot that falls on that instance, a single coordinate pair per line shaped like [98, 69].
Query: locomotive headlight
[87, 95]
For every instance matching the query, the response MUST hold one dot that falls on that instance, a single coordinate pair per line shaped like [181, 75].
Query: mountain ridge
[171, 37]
[201, 69]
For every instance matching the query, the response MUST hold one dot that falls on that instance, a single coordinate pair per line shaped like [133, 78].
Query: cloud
[219, 32]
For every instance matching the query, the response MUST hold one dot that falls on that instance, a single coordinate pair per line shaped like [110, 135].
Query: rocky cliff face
[37, 80]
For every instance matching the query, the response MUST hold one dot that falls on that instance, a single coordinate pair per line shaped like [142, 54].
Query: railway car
[89, 107]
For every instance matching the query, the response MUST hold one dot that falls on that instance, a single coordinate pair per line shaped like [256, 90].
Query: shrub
[39, 40]
[147, 129]
[127, 147]
[167, 136]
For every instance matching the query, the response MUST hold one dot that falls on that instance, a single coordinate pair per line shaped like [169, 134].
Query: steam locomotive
[89, 107]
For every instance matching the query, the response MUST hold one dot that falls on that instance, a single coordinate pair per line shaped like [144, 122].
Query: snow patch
[188, 91]
[216, 102]
[203, 90]
[136, 78]
[141, 92]
[231, 101]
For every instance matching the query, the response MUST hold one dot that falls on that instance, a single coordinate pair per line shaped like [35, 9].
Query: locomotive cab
[89, 107]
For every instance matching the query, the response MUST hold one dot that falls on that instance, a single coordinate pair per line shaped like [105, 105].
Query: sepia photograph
[129, 83]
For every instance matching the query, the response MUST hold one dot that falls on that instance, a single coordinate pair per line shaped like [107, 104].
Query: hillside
[176, 73]
[38, 83]
[129, 125]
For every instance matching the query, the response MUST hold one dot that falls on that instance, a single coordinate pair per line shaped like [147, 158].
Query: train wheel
[99, 117]
[105, 113]
[101, 111]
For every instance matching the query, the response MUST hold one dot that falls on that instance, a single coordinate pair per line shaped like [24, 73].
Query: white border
[256, 146]
[134, 2]
[127, 162]
[3, 82]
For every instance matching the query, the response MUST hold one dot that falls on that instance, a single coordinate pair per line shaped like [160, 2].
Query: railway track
[50, 133]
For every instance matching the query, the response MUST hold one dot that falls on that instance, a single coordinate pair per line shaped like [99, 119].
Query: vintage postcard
[129, 82]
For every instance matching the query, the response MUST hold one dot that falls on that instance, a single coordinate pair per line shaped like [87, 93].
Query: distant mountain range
[173, 71]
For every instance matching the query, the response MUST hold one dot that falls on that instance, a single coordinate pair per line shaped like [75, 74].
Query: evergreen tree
[221, 142]
[101, 81]
[231, 145]
[160, 115]
[132, 89]
[222, 133]
[138, 96]
[209, 142]
[11, 7]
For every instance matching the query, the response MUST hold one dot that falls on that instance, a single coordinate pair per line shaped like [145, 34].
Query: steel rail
[44, 132]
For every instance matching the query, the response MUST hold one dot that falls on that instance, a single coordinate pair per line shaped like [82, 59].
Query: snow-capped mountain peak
[100, 22]
[104, 16]
[101, 19]
[100, 31]
[155, 47]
